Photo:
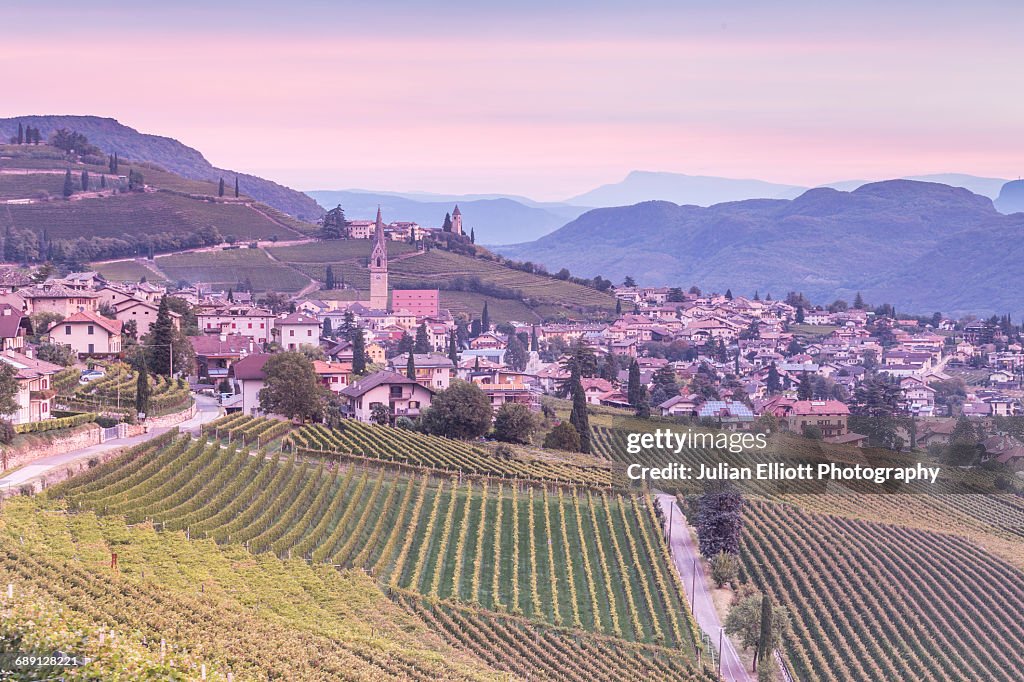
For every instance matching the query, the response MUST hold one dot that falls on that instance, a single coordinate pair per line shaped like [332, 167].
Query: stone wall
[35, 446]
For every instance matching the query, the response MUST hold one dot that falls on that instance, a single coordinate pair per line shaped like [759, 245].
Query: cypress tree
[634, 385]
[327, 328]
[358, 351]
[117, 164]
[236, 186]
[21, 133]
[453, 348]
[485, 319]
[220, 188]
[329, 277]
[161, 340]
[85, 181]
[69, 189]
[422, 344]
[110, 163]
[410, 366]
[472, 235]
[578, 417]
[142, 389]
[765, 638]
[534, 343]
[103, 182]
[447, 227]
[618, 306]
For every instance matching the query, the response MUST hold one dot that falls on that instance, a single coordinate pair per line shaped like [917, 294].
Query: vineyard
[254, 617]
[584, 559]
[873, 601]
[353, 438]
[115, 392]
[226, 268]
[246, 430]
[525, 648]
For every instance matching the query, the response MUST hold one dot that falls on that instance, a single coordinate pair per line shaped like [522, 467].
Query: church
[423, 303]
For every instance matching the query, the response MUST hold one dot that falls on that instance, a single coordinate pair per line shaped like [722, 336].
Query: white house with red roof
[89, 334]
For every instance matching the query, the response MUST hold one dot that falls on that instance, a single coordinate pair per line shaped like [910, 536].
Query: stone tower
[457, 220]
[379, 267]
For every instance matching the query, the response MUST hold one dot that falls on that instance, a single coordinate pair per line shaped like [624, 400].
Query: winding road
[687, 559]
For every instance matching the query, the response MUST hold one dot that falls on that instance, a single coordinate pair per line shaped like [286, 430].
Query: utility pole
[721, 631]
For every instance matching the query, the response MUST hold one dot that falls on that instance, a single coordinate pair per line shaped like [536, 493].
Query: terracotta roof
[89, 317]
[211, 344]
[298, 318]
[28, 368]
[11, 319]
[53, 291]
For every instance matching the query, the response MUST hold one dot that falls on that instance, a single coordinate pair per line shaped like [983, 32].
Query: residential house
[432, 369]
[35, 391]
[89, 334]
[57, 298]
[14, 327]
[334, 376]
[505, 386]
[404, 397]
[216, 354]
[296, 330]
[256, 323]
[143, 313]
[250, 378]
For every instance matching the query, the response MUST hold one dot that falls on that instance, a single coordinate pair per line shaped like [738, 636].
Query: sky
[542, 99]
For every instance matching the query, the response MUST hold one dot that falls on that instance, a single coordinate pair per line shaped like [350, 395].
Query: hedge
[53, 424]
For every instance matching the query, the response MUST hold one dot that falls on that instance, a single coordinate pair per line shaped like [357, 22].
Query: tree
[563, 437]
[804, 390]
[485, 319]
[858, 302]
[516, 355]
[534, 343]
[628, 281]
[161, 340]
[579, 417]
[472, 235]
[580, 359]
[720, 521]
[292, 388]
[334, 224]
[811, 432]
[453, 348]
[135, 180]
[142, 389]
[728, 294]
[664, 385]
[515, 423]
[633, 384]
[799, 314]
[773, 382]
[57, 353]
[329, 278]
[8, 389]
[130, 332]
[422, 344]
[189, 320]
[348, 326]
[461, 411]
[85, 181]
[220, 188]
[236, 186]
[474, 329]
[103, 181]
[725, 568]
[410, 366]
[745, 619]
[325, 330]
[21, 133]
[874, 411]
[380, 414]
[358, 352]
[447, 226]
[69, 188]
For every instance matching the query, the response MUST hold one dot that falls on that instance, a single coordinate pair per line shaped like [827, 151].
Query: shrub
[725, 568]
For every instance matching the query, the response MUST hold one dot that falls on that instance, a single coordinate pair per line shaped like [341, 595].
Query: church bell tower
[379, 267]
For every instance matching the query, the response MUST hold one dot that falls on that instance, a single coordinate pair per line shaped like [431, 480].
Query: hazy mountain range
[112, 136]
[921, 246]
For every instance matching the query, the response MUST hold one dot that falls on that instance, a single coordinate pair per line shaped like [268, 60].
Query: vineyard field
[872, 601]
[409, 447]
[582, 558]
[255, 616]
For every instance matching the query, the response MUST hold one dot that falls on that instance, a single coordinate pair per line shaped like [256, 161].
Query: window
[91, 330]
[67, 329]
[396, 391]
[291, 332]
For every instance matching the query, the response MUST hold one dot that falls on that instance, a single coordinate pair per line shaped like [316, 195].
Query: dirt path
[687, 560]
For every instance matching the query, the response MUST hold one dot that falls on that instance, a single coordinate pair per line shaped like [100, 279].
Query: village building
[89, 334]
[404, 397]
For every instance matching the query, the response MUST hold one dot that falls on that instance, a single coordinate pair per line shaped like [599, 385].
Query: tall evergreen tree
[534, 343]
[447, 227]
[453, 348]
[329, 277]
[348, 326]
[799, 314]
[485, 319]
[220, 188]
[858, 302]
[579, 417]
[474, 329]
[326, 330]
[728, 294]
[103, 181]
[804, 390]
[516, 355]
[410, 366]
[405, 344]
[472, 235]
[764, 641]
[21, 133]
[142, 388]
[358, 352]
[69, 188]
[117, 164]
[236, 186]
[633, 384]
[774, 382]
[422, 344]
[161, 340]
[85, 181]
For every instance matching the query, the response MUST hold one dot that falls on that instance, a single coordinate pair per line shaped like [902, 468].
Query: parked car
[91, 375]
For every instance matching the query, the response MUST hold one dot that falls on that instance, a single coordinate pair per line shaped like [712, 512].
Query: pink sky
[537, 112]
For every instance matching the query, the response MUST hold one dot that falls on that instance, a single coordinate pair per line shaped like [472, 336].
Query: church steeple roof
[379, 255]
[456, 211]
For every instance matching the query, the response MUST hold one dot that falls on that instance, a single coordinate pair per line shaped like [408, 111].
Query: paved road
[685, 555]
[207, 410]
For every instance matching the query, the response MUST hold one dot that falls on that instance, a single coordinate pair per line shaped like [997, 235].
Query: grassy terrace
[226, 268]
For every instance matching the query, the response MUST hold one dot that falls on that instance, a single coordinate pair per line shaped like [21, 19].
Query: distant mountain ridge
[111, 136]
[496, 219]
[886, 239]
